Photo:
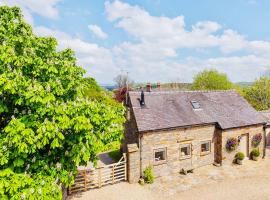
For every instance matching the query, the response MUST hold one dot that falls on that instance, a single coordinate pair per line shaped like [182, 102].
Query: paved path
[104, 159]
[250, 181]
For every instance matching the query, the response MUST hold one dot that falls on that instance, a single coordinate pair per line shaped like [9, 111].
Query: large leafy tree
[211, 80]
[47, 125]
[258, 94]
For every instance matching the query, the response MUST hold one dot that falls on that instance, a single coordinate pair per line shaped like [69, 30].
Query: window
[196, 105]
[160, 155]
[205, 147]
[185, 151]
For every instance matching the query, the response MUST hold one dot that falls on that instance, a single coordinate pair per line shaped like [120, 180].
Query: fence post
[125, 163]
[113, 174]
[69, 190]
[133, 163]
[85, 180]
[99, 177]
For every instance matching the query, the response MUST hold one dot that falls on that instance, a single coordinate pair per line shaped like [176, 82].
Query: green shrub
[240, 156]
[255, 152]
[148, 175]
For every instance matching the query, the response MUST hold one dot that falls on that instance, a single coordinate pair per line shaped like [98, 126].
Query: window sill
[185, 158]
[205, 153]
[160, 162]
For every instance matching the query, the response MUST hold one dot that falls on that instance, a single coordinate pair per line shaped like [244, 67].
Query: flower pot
[239, 162]
[141, 181]
[255, 158]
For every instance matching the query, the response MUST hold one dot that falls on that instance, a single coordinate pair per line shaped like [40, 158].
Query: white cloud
[231, 41]
[160, 41]
[95, 59]
[45, 8]
[157, 53]
[170, 32]
[97, 31]
[252, 2]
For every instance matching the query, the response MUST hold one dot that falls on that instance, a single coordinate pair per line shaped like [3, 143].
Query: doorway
[244, 147]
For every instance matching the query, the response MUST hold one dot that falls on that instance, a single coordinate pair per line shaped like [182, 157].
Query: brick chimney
[148, 87]
[158, 86]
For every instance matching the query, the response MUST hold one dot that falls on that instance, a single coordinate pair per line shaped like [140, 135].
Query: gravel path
[250, 181]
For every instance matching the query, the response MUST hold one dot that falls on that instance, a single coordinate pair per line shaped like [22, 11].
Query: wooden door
[244, 145]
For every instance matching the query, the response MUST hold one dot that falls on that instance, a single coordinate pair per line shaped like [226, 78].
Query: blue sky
[158, 40]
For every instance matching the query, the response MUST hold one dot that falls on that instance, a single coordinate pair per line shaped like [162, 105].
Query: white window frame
[163, 149]
[205, 152]
[183, 145]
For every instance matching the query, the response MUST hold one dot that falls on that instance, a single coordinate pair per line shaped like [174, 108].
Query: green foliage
[115, 155]
[240, 156]
[24, 186]
[211, 80]
[258, 94]
[115, 145]
[255, 152]
[47, 125]
[148, 175]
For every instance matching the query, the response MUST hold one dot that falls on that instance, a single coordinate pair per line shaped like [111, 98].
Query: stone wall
[228, 157]
[267, 133]
[218, 146]
[171, 140]
[267, 142]
[133, 163]
[131, 133]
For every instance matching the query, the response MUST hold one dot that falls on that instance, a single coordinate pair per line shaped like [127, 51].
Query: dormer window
[195, 105]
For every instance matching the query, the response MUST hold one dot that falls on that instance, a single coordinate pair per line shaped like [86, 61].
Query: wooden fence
[95, 178]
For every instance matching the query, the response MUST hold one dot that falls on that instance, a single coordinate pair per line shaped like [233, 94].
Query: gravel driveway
[250, 181]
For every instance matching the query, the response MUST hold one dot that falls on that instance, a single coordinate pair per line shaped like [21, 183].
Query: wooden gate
[95, 178]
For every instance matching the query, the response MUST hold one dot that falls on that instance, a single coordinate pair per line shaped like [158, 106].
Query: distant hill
[244, 84]
[171, 86]
[109, 87]
[176, 86]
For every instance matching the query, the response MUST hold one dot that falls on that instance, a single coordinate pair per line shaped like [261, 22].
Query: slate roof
[171, 109]
[266, 115]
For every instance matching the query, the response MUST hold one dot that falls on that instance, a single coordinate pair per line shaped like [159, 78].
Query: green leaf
[18, 162]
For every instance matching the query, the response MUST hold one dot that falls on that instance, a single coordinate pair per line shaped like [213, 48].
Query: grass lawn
[115, 155]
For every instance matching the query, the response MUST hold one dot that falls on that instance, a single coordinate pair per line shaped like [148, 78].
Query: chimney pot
[142, 102]
[148, 87]
[158, 85]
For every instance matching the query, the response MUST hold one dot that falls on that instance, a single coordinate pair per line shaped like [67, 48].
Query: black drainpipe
[264, 148]
[140, 147]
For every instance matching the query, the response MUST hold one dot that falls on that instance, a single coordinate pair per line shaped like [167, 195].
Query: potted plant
[231, 144]
[255, 153]
[256, 140]
[239, 157]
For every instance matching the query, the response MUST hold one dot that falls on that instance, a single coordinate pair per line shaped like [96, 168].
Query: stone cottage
[266, 115]
[174, 131]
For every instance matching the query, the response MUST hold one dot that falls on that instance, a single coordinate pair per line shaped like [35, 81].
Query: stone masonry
[171, 140]
[133, 163]
[228, 157]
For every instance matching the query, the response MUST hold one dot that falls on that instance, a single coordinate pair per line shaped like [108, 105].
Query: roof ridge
[186, 91]
[264, 111]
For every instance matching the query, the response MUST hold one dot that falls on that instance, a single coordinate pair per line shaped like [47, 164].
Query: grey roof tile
[170, 109]
[266, 115]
